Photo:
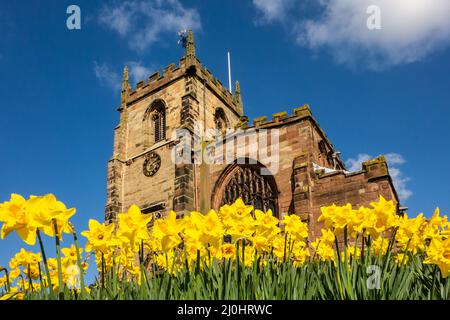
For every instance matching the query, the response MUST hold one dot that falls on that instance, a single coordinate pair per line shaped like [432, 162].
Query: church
[308, 174]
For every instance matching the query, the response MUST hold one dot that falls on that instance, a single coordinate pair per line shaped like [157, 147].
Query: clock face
[151, 164]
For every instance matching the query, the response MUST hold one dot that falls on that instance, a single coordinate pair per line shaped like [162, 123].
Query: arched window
[245, 181]
[220, 120]
[154, 123]
[159, 125]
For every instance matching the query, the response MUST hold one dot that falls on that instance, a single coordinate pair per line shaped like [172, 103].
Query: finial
[126, 87]
[190, 46]
[237, 95]
[125, 81]
[125, 73]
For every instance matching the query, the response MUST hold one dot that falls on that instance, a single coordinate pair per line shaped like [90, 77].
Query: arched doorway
[245, 181]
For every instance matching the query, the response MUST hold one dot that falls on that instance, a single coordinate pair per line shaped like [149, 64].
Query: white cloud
[113, 78]
[273, 9]
[410, 31]
[118, 18]
[138, 71]
[394, 161]
[107, 77]
[143, 22]
[355, 164]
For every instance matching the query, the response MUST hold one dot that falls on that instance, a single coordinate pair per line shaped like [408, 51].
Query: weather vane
[183, 34]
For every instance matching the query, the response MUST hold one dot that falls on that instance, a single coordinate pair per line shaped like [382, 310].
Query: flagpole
[229, 73]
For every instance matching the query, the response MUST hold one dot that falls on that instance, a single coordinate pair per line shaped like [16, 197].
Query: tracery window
[255, 189]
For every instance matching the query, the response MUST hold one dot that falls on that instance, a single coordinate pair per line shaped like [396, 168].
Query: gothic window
[247, 183]
[157, 124]
[220, 120]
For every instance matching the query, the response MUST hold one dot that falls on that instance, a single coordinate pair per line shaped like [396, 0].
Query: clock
[152, 163]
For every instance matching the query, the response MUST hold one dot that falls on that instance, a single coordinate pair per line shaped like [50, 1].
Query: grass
[367, 278]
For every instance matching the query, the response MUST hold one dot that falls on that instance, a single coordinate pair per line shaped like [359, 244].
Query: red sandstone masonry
[191, 94]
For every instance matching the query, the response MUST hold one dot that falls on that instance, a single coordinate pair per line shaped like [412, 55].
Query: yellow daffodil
[168, 231]
[15, 216]
[228, 251]
[242, 229]
[71, 253]
[379, 245]
[134, 224]
[99, 236]
[295, 228]
[44, 210]
[386, 213]
[266, 224]
[438, 253]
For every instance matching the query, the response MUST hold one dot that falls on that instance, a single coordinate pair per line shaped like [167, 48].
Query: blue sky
[373, 91]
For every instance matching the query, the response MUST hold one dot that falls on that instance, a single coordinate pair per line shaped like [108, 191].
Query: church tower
[141, 171]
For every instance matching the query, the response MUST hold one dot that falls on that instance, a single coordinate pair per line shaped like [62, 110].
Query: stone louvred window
[255, 189]
[220, 120]
[159, 123]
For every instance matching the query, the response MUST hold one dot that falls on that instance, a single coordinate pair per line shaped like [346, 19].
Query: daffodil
[71, 253]
[241, 228]
[379, 245]
[295, 228]
[100, 236]
[323, 245]
[133, 225]
[300, 253]
[386, 213]
[14, 274]
[15, 216]
[228, 251]
[46, 211]
[266, 224]
[438, 253]
[168, 231]
[410, 235]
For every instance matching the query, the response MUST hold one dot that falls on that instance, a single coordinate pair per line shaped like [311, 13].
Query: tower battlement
[172, 73]
[279, 118]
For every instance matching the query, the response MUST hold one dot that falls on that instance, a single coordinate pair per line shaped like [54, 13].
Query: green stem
[8, 285]
[103, 270]
[58, 256]
[75, 240]
[30, 282]
[433, 281]
[44, 257]
[40, 279]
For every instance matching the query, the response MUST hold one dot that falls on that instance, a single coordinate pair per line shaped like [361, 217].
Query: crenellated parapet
[156, 82]
[173, 73]
[376, 168]
[282, 118]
